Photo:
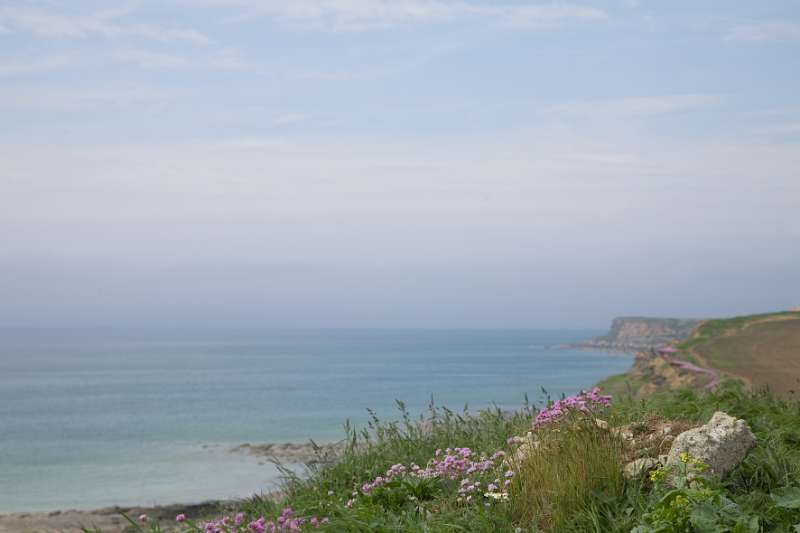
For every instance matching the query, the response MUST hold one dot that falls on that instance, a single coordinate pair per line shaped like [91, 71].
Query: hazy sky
[397, 163]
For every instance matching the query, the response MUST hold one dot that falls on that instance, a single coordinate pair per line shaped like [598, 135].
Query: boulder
[638, 467]
[722, 443]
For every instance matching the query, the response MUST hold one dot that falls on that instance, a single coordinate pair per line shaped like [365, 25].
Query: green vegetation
[684, 499]
[760, 349]
[622, 384]
[570, 481]
[712, 329]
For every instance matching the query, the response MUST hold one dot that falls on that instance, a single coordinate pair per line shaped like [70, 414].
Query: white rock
[722, 443]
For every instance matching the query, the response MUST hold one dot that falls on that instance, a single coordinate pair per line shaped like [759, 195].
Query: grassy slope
[763, 349]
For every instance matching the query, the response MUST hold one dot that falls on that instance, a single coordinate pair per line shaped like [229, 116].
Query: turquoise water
[90, 418]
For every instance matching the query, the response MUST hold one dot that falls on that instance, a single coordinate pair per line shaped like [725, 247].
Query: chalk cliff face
[641, 333]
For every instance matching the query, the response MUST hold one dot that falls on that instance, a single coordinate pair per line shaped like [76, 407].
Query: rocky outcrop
[293, 452]
[641, 333]
[722, 443]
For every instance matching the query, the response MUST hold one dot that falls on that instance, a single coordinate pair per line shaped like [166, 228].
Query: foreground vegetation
[454, 471]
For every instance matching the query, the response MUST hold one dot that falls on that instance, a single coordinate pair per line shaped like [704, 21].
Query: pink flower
[142, 517]
[180, 518]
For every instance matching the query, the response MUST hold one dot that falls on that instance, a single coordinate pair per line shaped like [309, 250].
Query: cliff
[641, 333]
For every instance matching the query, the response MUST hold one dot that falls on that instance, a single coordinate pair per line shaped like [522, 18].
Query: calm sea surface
[91, 418]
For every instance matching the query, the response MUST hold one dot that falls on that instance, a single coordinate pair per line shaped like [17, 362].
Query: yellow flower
[684, 456]
[657, 474]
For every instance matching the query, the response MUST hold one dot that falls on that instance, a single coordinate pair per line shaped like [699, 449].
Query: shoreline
[108, 519]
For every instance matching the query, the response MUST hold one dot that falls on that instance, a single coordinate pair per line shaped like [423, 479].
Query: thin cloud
[647, 105]
[70, 99]
[9, 68]
[368, 15]
[765, 31]
[147, 59]
[542, 16]
[48, 23]
[226, 59]
[286, 119]
[331, 75]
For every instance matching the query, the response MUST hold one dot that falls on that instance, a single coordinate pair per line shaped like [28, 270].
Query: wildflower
[330, 493]
[658, 474]
[180, 518]
[238, 519]
[499, 496]
[509, 474]
[684, 457]
[142, 517]
[349, 504]
[259, 526]
[582, 402]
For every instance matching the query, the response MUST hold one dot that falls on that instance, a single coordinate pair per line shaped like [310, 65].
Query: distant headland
[636, 333]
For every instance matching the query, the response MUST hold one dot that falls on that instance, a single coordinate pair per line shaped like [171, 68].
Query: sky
[403, 163]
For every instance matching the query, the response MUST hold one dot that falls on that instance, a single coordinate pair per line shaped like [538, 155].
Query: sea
[99, 417]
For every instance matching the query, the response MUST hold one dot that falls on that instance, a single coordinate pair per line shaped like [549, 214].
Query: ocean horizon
[91, 418]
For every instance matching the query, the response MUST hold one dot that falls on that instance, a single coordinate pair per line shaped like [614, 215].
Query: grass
[713, 329]
[761, 349]
[575, 467]
[570, 482]
[621, 384]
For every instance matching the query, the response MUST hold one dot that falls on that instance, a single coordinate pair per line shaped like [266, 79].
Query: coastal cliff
[640, 333]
